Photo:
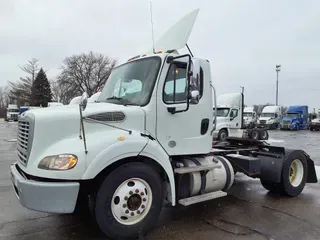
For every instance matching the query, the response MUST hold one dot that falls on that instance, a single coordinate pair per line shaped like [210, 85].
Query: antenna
[154, 51]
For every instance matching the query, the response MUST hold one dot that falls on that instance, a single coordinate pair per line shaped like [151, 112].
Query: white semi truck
[229, 115]
[12, 113]
[232, 118]
[249, 117]
[270, 117]
[139, 150]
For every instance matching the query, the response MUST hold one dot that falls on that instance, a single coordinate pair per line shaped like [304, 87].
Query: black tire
[222, 135]
[311, 129]
[264, 135]
[285, 187]
[270, 186]
[103, 213]
[255, 134]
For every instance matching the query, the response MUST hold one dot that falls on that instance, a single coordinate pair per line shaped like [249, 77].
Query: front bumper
[54, 197]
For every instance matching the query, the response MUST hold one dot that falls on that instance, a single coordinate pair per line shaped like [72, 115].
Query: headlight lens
[58, 162]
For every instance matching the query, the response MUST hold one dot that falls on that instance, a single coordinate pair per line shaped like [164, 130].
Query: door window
[234, 113]
[175, 88]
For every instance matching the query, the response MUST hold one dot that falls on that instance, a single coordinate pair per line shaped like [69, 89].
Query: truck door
[234, 118]
[187, 131]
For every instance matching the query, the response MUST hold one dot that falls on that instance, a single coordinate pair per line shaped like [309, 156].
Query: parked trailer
[137, 150]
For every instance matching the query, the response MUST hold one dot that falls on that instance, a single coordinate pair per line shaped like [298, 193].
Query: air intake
[108, 117]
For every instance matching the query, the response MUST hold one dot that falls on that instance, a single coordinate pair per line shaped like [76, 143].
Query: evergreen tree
[41, 91]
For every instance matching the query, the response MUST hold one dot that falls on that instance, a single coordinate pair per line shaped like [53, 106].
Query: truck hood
[49, 126]
[316, 120]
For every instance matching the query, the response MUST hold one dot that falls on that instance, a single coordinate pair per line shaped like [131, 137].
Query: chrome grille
[263, 121]
[24, 138]
[286, 122]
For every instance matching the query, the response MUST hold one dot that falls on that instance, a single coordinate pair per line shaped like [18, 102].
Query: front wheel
[129, 201]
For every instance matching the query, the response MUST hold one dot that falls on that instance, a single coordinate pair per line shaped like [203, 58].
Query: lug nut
[124, 205]
[142, 206]
[144, 199]
[142, 193]
[137, 190]
[132, 214]
[126, 198]
[127, 211]
[138, 212]
[130, 192]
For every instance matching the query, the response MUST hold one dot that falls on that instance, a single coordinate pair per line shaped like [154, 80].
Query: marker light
[58, 162]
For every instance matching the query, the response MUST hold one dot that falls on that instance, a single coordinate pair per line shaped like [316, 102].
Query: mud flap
[272, 163]
[312, 175]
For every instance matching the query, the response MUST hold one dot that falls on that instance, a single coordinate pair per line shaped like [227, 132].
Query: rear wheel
[222, 135]
[264, 135]
[129, 201]
[293, 176]
[255, 134]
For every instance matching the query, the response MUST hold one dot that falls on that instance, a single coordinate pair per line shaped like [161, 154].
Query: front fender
[131, 146]
[154, 151]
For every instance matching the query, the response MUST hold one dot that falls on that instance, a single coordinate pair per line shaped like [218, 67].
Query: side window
[175, 88]
[234, 113]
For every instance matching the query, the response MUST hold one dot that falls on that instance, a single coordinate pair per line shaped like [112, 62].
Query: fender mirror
[84, 101]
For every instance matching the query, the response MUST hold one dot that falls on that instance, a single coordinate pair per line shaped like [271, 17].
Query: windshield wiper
[124, 101]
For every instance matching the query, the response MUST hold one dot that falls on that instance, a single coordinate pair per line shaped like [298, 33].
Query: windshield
[222, 112]
[247, 114]
[131, 83]
[292, 115]
[13, 110]
[267, 115]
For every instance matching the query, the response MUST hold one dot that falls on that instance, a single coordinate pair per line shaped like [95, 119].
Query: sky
[242, 39]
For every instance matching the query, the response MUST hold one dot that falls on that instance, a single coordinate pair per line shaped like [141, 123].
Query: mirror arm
[82, 129]
[215, 108]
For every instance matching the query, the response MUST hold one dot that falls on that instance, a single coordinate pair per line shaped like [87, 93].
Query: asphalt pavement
[248, 212]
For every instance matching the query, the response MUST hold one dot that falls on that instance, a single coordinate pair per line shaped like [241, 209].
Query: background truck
[229, 120]
[143, 148]
[249, 117]
[296, 118]
[229, 115]
[270, 117]
[12, 113]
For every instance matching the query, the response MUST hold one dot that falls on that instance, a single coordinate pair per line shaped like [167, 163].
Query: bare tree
[86, 72]
[21, 91]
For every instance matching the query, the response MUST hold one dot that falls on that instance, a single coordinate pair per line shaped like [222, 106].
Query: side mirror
[194, 96]
[84, 101]
[194, 81]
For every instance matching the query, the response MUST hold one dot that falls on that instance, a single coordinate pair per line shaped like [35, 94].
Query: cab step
[202, 198]
[184, 170]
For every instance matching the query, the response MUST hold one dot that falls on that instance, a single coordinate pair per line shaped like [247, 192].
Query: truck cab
[229, 115]
[295, 118]
[249, 117]
[146, 141]
[270, 117]
[12, 113]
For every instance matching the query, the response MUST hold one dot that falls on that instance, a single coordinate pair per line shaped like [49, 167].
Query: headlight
[58, 162]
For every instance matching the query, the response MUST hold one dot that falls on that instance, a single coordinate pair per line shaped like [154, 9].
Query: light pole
[278, 68]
